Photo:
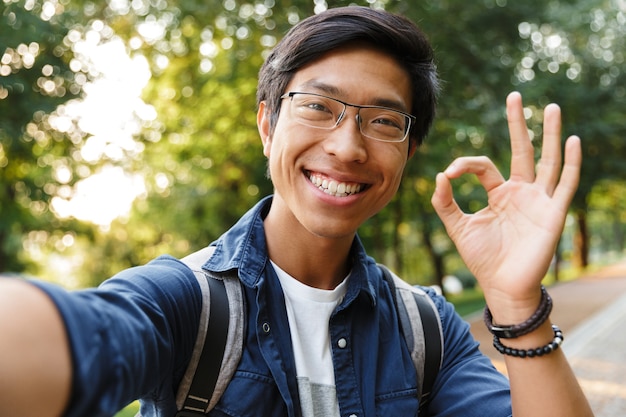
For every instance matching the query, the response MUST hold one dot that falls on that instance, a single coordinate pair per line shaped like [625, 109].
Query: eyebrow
[339, 93]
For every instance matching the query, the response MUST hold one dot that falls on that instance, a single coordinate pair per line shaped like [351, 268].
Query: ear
[263, 124]
[412, 147]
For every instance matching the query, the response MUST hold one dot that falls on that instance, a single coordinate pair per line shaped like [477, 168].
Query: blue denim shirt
[133, 336]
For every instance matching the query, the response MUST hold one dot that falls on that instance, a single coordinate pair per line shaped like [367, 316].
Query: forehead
[357, 73]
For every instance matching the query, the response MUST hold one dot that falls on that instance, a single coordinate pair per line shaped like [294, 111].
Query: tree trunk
[377, 240]
[558, 257]
[581, 241]
[396, 241]
[3, 255]
[435, 257]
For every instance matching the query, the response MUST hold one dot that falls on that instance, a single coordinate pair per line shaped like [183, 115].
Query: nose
[345, 141]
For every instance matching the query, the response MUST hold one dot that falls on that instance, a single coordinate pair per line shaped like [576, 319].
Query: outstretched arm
[35, 363]
[508, 247]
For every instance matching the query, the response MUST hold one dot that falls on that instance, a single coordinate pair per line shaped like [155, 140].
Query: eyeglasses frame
[341, 116]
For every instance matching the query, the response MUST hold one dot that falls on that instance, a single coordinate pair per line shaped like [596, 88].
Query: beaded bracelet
[512, 331]
[531, 353]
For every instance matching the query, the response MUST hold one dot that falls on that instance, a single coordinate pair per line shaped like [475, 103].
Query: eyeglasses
[375, 122]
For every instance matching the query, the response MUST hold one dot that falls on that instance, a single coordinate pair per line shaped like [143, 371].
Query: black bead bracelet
[531, 353]
[512, 331]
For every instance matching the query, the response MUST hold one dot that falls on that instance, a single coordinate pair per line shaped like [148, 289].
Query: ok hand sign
[509, 244]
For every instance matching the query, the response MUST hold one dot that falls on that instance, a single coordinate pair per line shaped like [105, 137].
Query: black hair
[392, 34]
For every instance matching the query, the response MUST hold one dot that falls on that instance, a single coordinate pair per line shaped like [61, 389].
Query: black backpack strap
[421, 327]
[219, 343]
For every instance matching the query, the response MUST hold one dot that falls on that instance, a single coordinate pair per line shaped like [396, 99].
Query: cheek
[394, 177]
[393, 160]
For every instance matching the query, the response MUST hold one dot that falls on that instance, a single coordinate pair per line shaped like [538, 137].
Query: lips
[333, 187]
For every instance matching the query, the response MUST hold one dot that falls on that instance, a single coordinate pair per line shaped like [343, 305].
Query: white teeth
[334, 188]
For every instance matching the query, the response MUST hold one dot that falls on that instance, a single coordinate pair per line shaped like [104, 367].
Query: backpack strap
[219, 343]
[421, 327]
[222, 322]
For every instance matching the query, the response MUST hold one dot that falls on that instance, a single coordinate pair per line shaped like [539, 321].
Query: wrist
[516, 350]
[528, 325]
[512, 304]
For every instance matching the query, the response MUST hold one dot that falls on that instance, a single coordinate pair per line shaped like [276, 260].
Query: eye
[388, 120]
[315, 109]
[313, 104]
[317, 106]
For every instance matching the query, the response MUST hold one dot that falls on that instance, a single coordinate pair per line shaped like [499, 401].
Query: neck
[317, 261]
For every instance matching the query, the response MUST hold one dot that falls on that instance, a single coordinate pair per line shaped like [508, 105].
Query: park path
[591, 311]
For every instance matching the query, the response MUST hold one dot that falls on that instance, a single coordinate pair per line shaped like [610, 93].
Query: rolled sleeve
[131, 337]
[468, 384]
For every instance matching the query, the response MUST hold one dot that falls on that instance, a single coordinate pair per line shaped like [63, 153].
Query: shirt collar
[243, 248]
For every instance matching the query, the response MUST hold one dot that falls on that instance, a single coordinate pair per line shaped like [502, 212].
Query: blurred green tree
[35, 77]
[574, 55]
[199, 153]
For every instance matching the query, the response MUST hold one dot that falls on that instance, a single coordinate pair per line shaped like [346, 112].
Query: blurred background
[127, 128]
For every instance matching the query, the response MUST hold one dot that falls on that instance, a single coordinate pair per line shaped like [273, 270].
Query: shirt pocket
[249, 394]
[397, 403]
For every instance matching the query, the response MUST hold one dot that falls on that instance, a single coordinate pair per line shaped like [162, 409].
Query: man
[344, 99]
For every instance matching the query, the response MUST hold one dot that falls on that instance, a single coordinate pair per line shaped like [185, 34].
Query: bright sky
[111, 114]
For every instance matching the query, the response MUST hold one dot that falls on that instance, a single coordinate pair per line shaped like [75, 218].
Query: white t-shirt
[308, 312]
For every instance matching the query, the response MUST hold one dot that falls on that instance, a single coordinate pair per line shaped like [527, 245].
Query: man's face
[329, 182]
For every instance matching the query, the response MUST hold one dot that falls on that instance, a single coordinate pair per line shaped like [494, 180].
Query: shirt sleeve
[131, 337]
[468, 384]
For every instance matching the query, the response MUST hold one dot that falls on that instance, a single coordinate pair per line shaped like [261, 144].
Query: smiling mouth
[333, 187]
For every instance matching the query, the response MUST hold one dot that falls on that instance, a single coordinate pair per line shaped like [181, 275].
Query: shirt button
[352, 415]
[342, 343]
[266, 327]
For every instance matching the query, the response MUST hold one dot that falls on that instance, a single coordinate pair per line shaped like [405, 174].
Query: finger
[570, 176]
[522, 154]
[481, 166]
[549, 167]
[444, 204]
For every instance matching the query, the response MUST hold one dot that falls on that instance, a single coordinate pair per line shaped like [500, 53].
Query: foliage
[35, 78]
[200, 155]
[582, 66]
[607, 217]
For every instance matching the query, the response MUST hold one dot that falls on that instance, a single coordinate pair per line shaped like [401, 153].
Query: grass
[130, 410]
[468, 302]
